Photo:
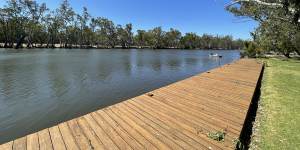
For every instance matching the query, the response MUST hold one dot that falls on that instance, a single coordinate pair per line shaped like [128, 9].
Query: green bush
[251, 50]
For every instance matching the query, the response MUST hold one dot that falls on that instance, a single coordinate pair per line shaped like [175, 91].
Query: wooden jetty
[177, 116]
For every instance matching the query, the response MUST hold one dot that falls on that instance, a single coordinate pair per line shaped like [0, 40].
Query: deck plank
[56, 138]
[150, 136]
[132, 131]
[106, 140]
[111, 132]
[156, 131]
[67, 136]
[94, 140]
[33, 142]
[195, 111]
[176, 136]
[176, 116]
[188, 131]
[120, 130]
[182, 125]
[7, 146]
[80, 138]
[45, 140]
[20, 143]
[204, 105]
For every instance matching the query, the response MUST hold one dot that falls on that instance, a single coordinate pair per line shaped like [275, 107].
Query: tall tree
[172, 38]
[140, 38]
[65, 17]
[34, 27]
[28, 21]
[84, 32]
[93, 27]
[279, 22]
[190, 41]
[108, 32]
[5, 27]
[125, 35]
[156, 37]
[52, 25]
[15, 18]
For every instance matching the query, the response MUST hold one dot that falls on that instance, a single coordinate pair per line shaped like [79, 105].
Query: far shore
[60, 46]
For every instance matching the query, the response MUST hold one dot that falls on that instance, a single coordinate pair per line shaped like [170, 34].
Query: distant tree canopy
[279, 23]
[26, 22]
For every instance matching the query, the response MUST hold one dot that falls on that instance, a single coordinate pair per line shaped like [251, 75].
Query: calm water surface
[39, 88]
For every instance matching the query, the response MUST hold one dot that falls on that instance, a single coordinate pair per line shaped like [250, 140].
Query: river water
[40, 88]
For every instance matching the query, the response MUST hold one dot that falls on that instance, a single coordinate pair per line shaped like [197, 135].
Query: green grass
[278, 120]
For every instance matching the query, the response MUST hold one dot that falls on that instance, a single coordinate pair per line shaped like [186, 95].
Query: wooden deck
[177, 116]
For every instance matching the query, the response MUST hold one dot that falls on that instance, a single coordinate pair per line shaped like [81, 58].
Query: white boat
[213, 55]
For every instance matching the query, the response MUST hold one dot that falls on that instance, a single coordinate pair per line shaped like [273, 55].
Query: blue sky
[199, 16]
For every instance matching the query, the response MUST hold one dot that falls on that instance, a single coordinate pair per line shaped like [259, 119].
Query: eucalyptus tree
[262, 10]
[140, 38]
[34, 26]
[296, 43]
[190, 41]
[74, 33]
[4, 27]
[93, 27]
[156, 38]
[206, 41]
[279, 22]
[125, 35]
[28, 21]
[13, 21]
[101, 37]
[52, 25]
[227, 42]
[84, 31]
[238, 44]
[128, 35]
[216, 42]
[108, 32]
[65, 16]
[172, 38]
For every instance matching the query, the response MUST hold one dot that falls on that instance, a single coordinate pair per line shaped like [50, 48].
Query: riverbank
[73, 46]
[278, 119]
[116, 47]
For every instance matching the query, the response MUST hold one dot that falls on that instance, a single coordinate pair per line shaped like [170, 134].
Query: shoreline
[105, 48]
[59, 46]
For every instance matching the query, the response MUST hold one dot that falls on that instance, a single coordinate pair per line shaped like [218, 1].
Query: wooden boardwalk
[177, 116]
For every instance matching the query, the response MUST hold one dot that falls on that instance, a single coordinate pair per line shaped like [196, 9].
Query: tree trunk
[20, 41]
[52, 42]
[11, 45]
[5, 44]
[298, 52]
[287, 54]
[123, 45]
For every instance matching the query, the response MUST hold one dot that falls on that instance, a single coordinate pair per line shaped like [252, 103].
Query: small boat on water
[214, 55]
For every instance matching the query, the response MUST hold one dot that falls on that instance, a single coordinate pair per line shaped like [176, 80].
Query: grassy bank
[277, 125]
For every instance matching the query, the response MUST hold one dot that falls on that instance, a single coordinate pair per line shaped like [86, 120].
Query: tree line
[26, 23]
[279, 25]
